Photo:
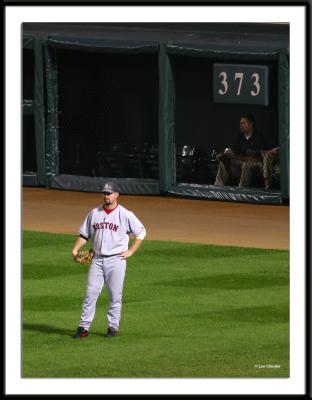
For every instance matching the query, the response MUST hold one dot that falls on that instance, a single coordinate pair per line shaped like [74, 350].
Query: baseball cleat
[111, 332]
[81, 332]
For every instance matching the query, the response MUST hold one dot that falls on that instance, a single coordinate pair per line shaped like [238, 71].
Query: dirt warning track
[165, 218]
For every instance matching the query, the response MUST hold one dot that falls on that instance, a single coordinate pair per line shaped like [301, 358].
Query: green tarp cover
[103, 45]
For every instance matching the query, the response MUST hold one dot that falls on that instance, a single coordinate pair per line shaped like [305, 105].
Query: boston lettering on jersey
[105, 225]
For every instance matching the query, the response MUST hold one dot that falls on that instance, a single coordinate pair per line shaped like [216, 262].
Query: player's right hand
[74, 252]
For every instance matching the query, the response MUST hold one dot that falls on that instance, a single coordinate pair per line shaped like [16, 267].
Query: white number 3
[256, 84]
[224, 83]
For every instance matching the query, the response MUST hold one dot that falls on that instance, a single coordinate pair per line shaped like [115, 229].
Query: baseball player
[108, 226]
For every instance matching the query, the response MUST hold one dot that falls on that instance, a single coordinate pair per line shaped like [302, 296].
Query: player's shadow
[47, 329]
[54, 330]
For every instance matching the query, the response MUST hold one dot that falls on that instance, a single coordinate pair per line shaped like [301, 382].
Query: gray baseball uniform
[109, 233]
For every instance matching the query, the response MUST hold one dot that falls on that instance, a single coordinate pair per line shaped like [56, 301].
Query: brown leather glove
[84, 256]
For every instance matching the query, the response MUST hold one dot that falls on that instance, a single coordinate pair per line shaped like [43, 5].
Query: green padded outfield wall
[147, 89]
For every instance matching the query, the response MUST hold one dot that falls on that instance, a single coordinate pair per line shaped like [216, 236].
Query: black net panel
[28, 74]
[28, 136]
[108, 114]
[29, 145]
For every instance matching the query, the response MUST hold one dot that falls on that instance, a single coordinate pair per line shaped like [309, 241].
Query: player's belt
[108, 255]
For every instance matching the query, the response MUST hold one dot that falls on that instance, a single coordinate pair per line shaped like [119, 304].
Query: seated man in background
[270, 166]
[244, 158]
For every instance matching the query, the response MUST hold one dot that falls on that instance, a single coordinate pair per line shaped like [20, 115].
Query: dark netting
[28, 74]
[108, 114]
[204, 128]
[29, 145]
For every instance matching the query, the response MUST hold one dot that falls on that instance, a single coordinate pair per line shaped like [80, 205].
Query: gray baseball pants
[108, 272]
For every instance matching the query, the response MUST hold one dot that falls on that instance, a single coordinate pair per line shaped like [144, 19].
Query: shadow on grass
[54, 330]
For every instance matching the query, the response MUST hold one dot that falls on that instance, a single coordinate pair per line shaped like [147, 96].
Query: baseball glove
[84, 256]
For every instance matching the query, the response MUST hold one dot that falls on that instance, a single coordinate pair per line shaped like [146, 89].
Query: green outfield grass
[189, 310]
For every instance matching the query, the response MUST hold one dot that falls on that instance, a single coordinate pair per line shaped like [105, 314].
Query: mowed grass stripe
[188, 311]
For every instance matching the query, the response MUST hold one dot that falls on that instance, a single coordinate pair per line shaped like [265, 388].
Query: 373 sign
[241, 83]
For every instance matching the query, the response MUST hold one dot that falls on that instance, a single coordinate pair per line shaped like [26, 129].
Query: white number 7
[240, 76]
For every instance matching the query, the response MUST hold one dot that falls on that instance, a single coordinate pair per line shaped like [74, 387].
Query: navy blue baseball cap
[109, 188]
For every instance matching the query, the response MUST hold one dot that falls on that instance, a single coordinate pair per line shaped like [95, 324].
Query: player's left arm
[139, 231]
[135, 245]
